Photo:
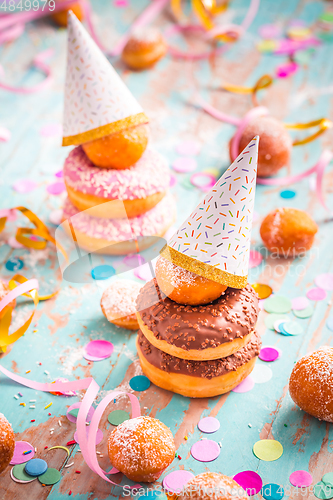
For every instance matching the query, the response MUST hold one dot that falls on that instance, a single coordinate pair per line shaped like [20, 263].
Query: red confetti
[45, 447]
[179, 457]
[78, 472]
[33, 420]
[49, 414]
[71, 442]
[70, 492]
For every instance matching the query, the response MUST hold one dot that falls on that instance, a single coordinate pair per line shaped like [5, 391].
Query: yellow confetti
[262, 290]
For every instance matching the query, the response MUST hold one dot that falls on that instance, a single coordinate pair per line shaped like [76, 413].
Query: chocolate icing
[205, 369]
[233, 315]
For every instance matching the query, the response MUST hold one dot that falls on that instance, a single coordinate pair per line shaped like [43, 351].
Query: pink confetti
[300, 478]
[55, 217]
[20, 448]
[255, 216]
[324, 281]
[269, 31]
[134, 260]
[209, 425]
[88, 357]
[173, 180]
[24, 185]
[245, 386]
[299, 303]
[99, 436]
[5, 134]
[203, 180]
[205, 450]
[73, 419]
[12, 242]
[175, 481]
[316, 294]
[51, 130]
[59, 174]
[184, 164]
[143, 273]
[99, 348]
[269, 354]
[188, 148]
[56, 188]
[255, 259]
[285, 70]
[250, 481]
[121, 3]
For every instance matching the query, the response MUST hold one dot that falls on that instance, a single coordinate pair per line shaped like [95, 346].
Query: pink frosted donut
[100, 235]
[140, 187]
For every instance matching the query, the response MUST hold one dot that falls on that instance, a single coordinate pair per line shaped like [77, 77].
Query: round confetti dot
[139, 383]
[264, 291]
[316, 294]
[117, 417]
[72, 414]
[268, 450]
[304, 313]
[20, 448]
[188, 148]
[269, 354]
[278, 323]
[293, 328]
[184, 164]
[35, 467]
[205, 450]
[5, 134]
[99, 436]
[269, 31]
[51, 476]
[173, 181]
[299, 33]
[300, 478]
[272, 491]
[285, 70]
[55, 217]
[245, 386]
[272, 319]
[133, 261]
[203, 180]
[51, 130]
[56, 188]
[280, 328]
[176, 480]
[208, 425]
[93, 358]
[99, 348]
[323, 491]
[287, 194]
[255, 259]
[103, 272]
[267, 45]
[278, 304]
[324, 281]
[328, 479]
[250, 481]
[13, 243]
[261, 374]
[143, 273]
[299, 303]
[14, 264]
[19, 475]
[59, 174]
[24, 185]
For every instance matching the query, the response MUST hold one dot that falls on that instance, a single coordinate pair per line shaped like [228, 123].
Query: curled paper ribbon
[87, 441]
[323, 124]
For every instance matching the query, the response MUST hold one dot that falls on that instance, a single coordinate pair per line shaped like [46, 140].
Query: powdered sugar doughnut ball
[118, 303]
[144, 48]
[212, 486]
[141, 448]
[274, 146]
[4, 290]
[7, 442]
[185, 287]
[311, 383]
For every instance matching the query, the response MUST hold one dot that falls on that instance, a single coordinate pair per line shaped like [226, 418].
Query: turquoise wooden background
[65, 324]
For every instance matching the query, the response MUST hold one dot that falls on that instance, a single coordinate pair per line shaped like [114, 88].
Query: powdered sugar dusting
[177, 276]
[213, 486]
[118, 300]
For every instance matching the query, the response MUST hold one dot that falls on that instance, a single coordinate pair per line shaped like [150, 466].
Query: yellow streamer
[323, 124]
[60, 448]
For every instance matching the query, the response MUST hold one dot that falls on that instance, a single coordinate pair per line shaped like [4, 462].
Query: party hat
[97, 102]
[214, 241]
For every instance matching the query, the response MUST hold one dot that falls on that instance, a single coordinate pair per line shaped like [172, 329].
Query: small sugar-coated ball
[185, 287]
[274, 144]
[144, 48]
[120, 150]
[60, 17]
[7, 442]
[311, 383]
[288, 232]
[141, 448]
[212, 486]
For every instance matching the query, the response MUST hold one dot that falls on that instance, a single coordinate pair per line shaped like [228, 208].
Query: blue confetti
[35, 467]
[139, 383]
[287, 194]
[14, 264]
[103, 272]
[272, 491]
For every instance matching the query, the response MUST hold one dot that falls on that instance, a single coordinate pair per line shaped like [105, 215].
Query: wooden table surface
[66, 323]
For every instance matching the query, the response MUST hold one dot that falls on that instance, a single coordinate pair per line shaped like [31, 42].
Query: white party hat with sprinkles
[214, 241]
[97, 102]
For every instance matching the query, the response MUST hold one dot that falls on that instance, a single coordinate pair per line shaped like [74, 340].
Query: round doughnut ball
[7, 442]
[311, 383]
[274, 146]
[4, 290]
[185, 287]
[144, 48]
[288, 232]
[141, 448]
[118, 303]
[212, 486]
[60, 17]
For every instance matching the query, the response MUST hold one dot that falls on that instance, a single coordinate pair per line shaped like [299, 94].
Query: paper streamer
[87, 440]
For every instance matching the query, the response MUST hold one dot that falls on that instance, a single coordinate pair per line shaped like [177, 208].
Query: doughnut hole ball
[212, 486]
[60, 17]
[7, 442]
[274, 144]
[185, 287]
[310, 384]
[141, 448]
[119, 150]
[288, 232]
[144, 48]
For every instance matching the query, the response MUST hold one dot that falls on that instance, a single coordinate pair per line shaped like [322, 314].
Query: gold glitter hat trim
[109, 128]
[205, 270]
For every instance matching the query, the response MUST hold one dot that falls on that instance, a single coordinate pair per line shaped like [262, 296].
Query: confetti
[143, 273]
[255, 259]
[249, 480]
[245, 386]
[272, 491]
[293, 328]
[117, 417]
[268, 450]
[304, 313]
[203, 180]
[184, 164]
[132, 261]
[20, 448]
[299, 303]
[209, 425]
[269, 31]
[35, 467]
[51, 476]
[287, 194]
[264, 291]
[277, 304]
[272, 319]
[139, 383]
[14, 264]
[173, 180]
[19, 475]
[205, 450]
[99, 436]
[323, 491]
[261, 374]
[176, 480]
[5, 134]
[56, 188]
[188, 148]
[99, 348]
[316, 294]
[283, 71]
[300, 478]
[328, 478]
[324, 281]
[103, 272]
[24, 185]
[55, 217]
[269, 354]
[48, 406]
[72, 416]
[267, 45]
[299, 33]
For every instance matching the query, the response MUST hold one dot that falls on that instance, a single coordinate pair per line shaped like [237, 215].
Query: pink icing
[153, 222]
[148, 176]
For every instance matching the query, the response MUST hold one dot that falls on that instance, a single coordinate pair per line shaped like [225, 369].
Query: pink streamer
[25, 287]
[87, 444]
